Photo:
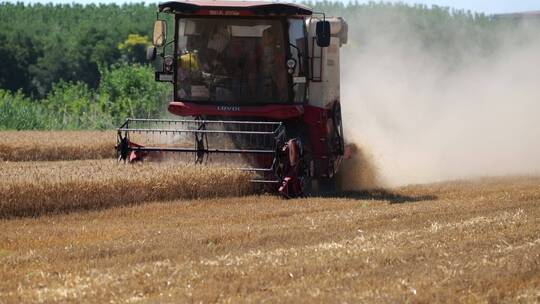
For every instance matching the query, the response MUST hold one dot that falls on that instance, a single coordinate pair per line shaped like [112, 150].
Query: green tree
[133, 49]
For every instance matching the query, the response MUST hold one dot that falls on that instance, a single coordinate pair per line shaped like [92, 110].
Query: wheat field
[58, 145]
[467, 242]
[96, 231]
[35, 188]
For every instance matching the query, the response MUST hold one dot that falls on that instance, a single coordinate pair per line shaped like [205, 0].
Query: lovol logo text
[228, 108]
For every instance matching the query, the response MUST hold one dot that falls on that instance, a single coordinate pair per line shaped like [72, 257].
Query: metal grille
[244, 145]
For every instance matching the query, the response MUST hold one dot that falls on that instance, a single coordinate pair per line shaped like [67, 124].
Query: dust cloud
[358, 172]
[416, 118]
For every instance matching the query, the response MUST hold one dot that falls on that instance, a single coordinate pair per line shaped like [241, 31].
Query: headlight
[168, 62]
[291, 63]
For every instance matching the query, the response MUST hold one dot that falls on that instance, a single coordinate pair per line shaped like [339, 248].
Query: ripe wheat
[31, 189]
[56, 145]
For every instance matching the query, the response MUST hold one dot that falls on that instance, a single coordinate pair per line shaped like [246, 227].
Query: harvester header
[257, 85]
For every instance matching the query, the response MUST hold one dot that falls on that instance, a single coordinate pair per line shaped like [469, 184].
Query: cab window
[297, 45]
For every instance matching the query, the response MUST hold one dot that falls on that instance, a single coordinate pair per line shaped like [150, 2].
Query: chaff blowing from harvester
[255, 81]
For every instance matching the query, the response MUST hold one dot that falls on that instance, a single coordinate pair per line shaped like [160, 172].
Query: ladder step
[263, 181]
[255, 169]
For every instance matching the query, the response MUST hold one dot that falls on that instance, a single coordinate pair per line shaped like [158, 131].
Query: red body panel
[228, 4]
[317, 118]
[274, 112]
[234, 8]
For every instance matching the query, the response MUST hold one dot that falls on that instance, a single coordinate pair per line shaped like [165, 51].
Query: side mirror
[160, 33]
[151, 53]
[322, 31]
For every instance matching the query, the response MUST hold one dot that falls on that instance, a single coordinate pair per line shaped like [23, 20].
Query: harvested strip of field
[56, 145]
[460, 242]
[35, 188]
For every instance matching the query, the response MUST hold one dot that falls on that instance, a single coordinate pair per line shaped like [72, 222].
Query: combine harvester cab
[257, 87]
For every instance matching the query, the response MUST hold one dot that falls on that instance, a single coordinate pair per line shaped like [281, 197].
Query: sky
[483, 6]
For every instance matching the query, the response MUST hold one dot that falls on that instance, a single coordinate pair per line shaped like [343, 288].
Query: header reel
[259, 147]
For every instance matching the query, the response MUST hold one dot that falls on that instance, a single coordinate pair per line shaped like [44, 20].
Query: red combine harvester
[258, 85]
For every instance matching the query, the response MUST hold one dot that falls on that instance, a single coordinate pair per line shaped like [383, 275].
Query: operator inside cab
[234, 61]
